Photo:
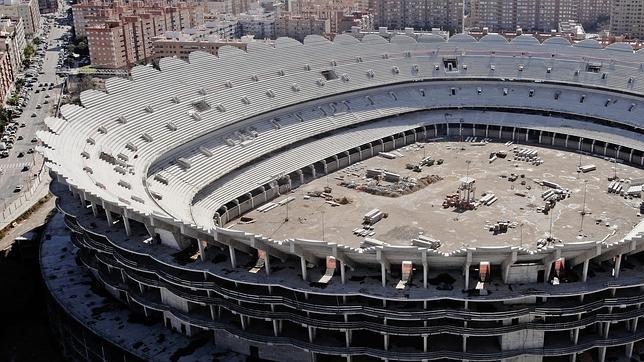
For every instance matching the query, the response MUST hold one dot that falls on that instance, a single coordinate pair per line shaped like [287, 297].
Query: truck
[3, 146]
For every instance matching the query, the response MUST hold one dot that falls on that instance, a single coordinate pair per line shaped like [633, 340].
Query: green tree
[37, 41]
[29, 51]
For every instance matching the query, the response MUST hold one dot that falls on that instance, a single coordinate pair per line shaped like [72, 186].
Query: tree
[37, 41]
[29, 51]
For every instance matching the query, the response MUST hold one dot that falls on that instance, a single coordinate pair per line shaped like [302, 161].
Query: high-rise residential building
[179, 16]
[48, 6]
[534, 15]
[236, 7]
[12, 41]
[121, 36]
[26, 9]
[627, 18]
[6, 75]
[419, 14]
[298, 27]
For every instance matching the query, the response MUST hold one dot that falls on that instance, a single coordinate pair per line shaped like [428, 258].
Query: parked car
[18, 188]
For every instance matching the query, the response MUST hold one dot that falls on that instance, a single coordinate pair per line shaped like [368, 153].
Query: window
[450, 64]
[329, 74]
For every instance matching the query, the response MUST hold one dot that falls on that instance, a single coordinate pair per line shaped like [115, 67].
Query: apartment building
[627, 18]
[48, 6]
[120, 36]
[261, 26]
[236, 7]
[179, 16]
[181, 47]
[298, 28]
[12, 41]
[534, 15]
[26, 9]
[6, 76]
[419, 14]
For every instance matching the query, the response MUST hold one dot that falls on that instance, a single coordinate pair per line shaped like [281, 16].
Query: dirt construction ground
[608, 215]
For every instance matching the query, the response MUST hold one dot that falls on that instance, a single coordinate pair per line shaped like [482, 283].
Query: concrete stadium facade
[148, 173]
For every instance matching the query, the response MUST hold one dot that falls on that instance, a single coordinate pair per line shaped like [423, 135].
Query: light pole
[583, 209]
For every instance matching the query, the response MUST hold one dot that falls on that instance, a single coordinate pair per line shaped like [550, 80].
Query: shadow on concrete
[24, 332]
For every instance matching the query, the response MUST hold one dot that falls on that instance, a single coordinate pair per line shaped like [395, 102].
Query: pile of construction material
[366, 230]
[271, 205]
[488, 199]
[404, 185]
[426, 242]
[495, 155]
[390, 155]
[542, 243]
[368, 242]
[587, 168]
[551, 197]
[627, 189]
[374, 216]
[501, 227]
[476, 142]
[328, 197]
[427, 161]
[527, 155]
[380, 174]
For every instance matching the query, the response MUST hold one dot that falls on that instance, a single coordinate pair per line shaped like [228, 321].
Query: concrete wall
[171, 299]
[167, 238]
[523, 273]
[521, 339]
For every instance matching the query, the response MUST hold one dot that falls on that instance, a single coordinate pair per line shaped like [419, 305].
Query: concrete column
[243, 321]
[629, 350]
[605, 148]
[425, 267]
[592, 147]
[467, 276]
[275, 328]
[552, 141]
[575, 336]
[602, 354]
[386, 341]
[126, 223]
[514, 130]
[233, 256]
[337, 162]
[201, 249]
[342, 271]
[94, 208]
[566, 142]
[301, 174]
[311, 334]
[464, 343]
[527, 132]
[606, 329]
[500, 132]
[383, 274]
[634, 324]
[487, 130]
[303, 265]
[326, 170]
[584, 275]
[540, 136]
[618, 264]
[108, 215]
[267, 263]
[347, 337]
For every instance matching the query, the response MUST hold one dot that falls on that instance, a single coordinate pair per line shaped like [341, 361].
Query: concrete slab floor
[421, 211]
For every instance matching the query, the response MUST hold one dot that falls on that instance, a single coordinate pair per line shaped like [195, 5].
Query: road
[13, 165]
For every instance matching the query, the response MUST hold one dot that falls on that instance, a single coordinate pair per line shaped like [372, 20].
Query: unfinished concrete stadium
[358, 200]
